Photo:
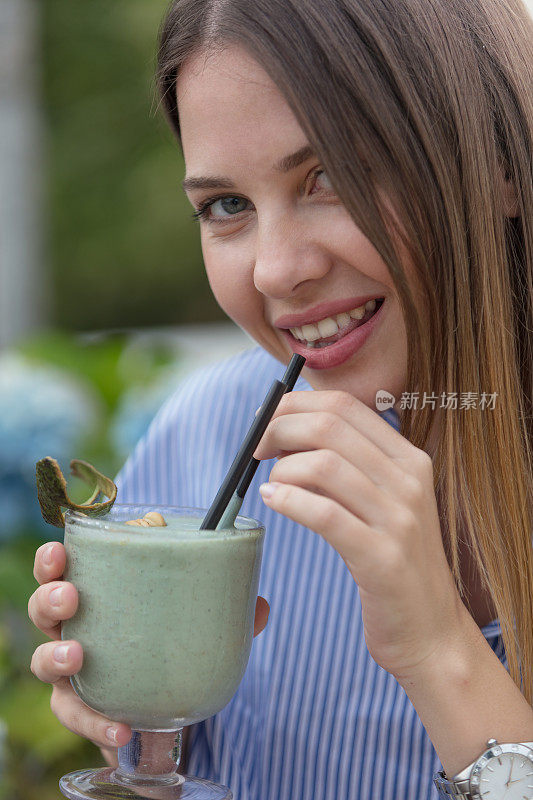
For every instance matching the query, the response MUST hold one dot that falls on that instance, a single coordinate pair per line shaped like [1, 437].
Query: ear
[508, 193]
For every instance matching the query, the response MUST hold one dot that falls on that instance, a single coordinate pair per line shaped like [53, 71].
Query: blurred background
[104, 303]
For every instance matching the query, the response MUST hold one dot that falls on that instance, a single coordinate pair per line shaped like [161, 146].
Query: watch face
[504, 772]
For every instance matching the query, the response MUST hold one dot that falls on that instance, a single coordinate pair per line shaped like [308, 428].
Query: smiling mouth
[323, 333]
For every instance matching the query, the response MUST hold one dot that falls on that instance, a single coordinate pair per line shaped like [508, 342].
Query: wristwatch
[503, 771]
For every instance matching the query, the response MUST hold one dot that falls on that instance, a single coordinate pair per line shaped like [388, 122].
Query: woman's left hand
[348, 475]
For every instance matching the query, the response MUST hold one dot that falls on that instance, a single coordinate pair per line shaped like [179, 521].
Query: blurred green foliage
[109, 365]
[101, 359]
[39, 749]
[123, 248]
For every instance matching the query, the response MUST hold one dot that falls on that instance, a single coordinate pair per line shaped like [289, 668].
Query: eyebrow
[285, 164]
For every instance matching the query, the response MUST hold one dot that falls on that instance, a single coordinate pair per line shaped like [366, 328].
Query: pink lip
[322, 310]
[339, 352]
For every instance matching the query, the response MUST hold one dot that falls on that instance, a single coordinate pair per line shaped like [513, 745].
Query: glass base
[101, 784]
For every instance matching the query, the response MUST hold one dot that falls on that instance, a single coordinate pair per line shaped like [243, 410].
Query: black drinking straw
[251, 440]
[289, 379]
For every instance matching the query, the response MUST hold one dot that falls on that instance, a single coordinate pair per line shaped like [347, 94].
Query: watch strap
[459, 790]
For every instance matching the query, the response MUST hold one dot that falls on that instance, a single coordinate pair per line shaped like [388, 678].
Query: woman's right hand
[54, 662]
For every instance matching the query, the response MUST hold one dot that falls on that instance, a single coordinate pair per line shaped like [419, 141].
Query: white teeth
[358, 313]
[310, 332]
[327, 327]
[330, 326]
[343, 320]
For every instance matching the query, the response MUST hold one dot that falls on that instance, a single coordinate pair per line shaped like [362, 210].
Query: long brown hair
[432, 99]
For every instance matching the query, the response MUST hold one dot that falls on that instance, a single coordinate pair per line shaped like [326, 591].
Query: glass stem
[150, 757]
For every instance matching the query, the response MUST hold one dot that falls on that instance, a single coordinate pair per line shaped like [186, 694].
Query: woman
[349, 157]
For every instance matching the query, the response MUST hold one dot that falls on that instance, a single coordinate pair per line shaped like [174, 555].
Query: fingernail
[47, 555]
[256, 412]
[267, 489]
[111, 734]
[61, 653]
[55, 596]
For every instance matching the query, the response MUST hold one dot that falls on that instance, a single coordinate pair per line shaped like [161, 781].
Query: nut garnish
[152, 519]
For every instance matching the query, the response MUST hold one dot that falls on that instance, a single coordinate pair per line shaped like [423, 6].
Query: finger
[329, 474]
[324, 430]
[351, 537]
[354, 412]
[262, 610]
[82, 720]
[52, 661]
[50, 604]
[50, 560]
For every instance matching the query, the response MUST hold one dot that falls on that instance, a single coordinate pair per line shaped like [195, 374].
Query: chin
[361, 381]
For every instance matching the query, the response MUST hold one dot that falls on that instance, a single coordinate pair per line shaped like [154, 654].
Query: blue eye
[231, 205]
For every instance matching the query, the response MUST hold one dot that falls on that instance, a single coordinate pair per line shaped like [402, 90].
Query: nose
[287, 255]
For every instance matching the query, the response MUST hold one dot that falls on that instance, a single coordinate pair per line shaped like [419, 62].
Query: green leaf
[52, 490]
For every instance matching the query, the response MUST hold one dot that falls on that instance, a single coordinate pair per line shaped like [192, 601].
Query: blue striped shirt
[314, 716]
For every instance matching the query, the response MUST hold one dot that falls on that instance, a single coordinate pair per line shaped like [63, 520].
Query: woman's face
[280, 249]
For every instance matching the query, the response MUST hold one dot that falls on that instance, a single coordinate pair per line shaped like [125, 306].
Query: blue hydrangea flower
[139, 405]
[43, 411]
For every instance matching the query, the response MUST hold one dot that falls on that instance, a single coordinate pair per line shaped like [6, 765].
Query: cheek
[231, 282]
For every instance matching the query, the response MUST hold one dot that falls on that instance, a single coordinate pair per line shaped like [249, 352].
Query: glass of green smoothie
[165, 619]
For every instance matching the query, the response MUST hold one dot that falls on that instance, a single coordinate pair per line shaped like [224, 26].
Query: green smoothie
[165, 614]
